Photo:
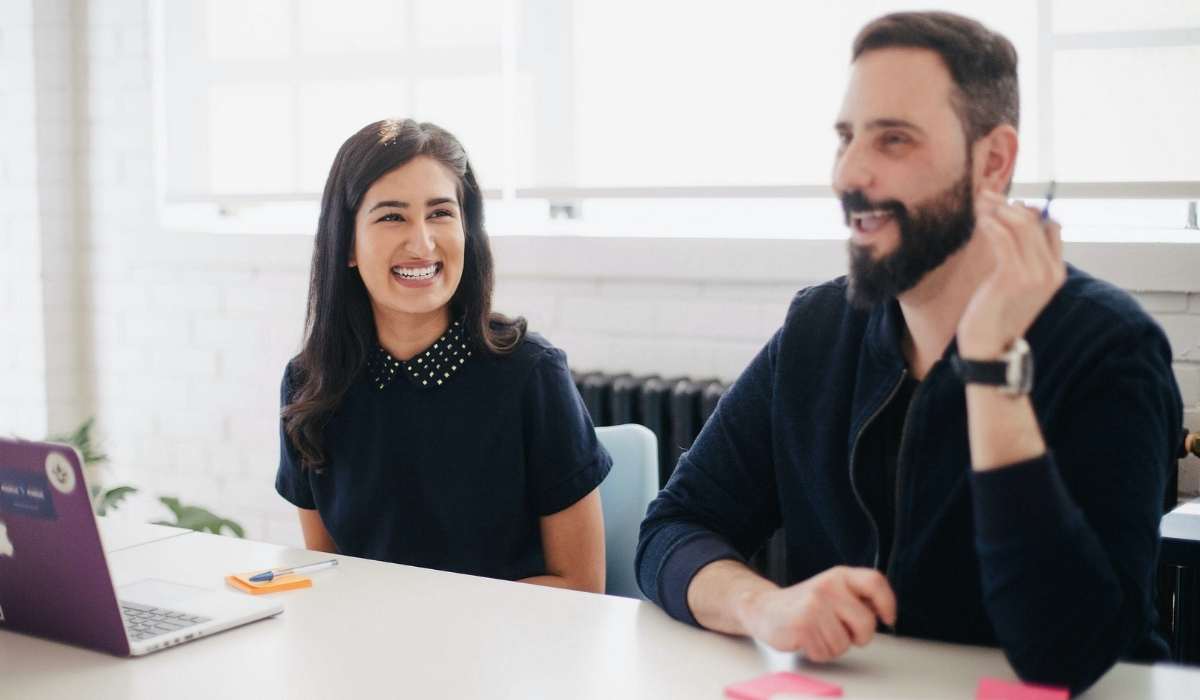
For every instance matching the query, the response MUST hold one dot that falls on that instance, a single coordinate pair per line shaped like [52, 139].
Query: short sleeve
[291, 481]
[564, 460]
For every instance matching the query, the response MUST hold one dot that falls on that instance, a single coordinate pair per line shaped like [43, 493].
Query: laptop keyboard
[144, 621]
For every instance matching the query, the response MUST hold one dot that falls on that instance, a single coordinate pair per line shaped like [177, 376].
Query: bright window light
[652, 117]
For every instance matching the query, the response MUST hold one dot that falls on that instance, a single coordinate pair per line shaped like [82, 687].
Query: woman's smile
[417, 273]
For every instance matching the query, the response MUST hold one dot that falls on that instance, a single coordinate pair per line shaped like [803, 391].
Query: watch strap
[991, 373]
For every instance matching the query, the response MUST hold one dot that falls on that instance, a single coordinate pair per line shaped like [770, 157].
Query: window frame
[284, 213]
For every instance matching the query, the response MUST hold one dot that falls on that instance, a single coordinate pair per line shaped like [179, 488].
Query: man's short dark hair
[982, 63]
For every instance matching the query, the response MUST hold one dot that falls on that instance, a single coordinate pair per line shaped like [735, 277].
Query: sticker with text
[25, 493]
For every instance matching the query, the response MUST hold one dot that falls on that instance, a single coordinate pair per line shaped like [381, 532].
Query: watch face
[1020, 368]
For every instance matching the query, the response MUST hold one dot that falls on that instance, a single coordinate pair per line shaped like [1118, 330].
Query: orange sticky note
[996, 689]
[242, 582]
[784, 682]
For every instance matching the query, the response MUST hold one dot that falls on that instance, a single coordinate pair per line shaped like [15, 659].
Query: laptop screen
[54, 579]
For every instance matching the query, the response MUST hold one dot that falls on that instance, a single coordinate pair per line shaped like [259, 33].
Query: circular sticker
[60, 472]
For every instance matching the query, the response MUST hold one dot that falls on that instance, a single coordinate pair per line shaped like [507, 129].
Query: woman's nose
[421, 243]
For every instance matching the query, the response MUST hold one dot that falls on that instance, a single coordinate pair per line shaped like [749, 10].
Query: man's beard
[930, 233]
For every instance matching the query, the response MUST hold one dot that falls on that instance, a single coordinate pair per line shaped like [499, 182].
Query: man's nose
[851, 170]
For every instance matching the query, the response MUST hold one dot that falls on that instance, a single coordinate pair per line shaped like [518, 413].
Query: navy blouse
[448, 461]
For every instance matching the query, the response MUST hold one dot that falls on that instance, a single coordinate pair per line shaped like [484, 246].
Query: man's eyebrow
[882, 123]
[893, 123]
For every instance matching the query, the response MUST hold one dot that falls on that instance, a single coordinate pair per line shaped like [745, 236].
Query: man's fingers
[986, 203]
[1004, 248]
[825, 615]
[814, 645]
[870, 585]
[1017, 215]
[1054, 237]
[1020, 222]
[837, 639]
[858, 619]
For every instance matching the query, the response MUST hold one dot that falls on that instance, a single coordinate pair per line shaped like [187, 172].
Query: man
[923, 475]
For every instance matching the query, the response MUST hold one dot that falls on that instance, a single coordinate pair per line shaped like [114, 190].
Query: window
[720, 113]
[260, 94]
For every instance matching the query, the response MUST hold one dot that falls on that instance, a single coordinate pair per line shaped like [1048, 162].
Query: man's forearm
[722, 591]
[1003, 429]
[1055, 601]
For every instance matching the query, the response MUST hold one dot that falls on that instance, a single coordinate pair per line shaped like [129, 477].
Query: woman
[418, 426]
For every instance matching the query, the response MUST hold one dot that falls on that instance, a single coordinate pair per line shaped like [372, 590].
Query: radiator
[674, 409]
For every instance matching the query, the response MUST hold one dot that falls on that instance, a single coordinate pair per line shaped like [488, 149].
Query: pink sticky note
[763, 687]
[996, 689]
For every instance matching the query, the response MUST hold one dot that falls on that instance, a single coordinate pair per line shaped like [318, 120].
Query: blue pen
[1049, 197]
[307, 568]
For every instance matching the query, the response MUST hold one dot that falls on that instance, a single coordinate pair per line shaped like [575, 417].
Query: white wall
[176, 342]
[22, 359]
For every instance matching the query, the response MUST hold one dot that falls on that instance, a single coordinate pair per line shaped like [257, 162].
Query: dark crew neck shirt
[451, 476]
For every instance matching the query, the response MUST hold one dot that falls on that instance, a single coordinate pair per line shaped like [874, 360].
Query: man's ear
[995, 158]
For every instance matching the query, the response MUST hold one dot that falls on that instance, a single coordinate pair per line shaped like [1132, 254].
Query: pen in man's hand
[1049, 198]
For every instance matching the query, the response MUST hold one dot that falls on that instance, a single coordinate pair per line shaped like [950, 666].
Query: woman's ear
[996, 158]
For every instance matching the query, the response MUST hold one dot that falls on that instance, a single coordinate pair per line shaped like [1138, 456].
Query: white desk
[368, 628]
[122, 534]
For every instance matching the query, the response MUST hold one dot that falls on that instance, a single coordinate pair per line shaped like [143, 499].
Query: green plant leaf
[198, 519]
[186, 516]
[112, 498]
[81, 439]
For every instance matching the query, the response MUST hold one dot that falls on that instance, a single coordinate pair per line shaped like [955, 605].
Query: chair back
[624, 495]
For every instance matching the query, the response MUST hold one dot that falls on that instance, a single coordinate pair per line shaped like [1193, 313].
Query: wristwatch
[1013, 372]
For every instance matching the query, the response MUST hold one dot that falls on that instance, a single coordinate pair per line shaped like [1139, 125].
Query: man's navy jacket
[1052, 560]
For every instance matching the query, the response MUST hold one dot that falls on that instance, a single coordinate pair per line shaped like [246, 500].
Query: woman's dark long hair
[339, 328]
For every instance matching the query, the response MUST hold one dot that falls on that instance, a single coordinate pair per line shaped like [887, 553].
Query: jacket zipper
[888, 572]
[854, 451]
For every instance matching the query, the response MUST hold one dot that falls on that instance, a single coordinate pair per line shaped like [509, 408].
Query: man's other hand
[823, 615]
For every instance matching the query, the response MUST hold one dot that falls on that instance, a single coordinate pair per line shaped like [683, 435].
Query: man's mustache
[855, 201]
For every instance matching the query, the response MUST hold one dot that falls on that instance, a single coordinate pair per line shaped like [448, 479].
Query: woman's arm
[573, 542]
[316, 537]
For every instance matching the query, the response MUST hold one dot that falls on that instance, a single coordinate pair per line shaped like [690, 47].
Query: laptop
[54, 577]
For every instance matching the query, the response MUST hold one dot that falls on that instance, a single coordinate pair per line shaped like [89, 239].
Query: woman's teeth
[416, 273]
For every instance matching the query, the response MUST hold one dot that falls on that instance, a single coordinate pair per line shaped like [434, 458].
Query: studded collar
[431, 369]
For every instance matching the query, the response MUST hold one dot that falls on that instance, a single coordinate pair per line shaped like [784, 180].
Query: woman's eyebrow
[389, 203]
[404, 205]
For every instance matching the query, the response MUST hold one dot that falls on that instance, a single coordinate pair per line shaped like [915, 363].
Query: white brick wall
[23, 394]
[181, 338]
[66, 340]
